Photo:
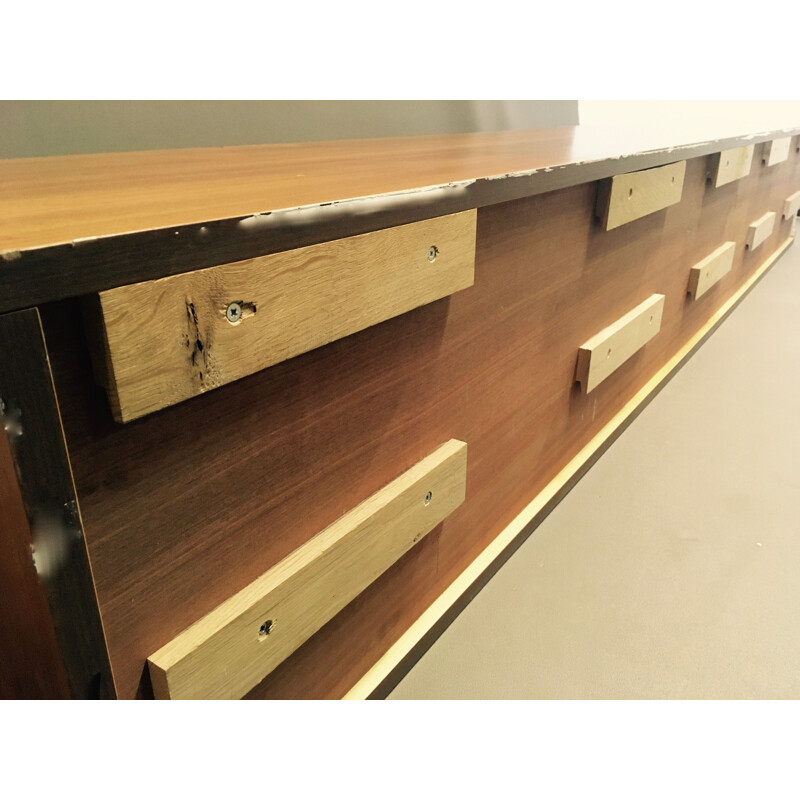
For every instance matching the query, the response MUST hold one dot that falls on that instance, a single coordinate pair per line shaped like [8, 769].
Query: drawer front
[627, 197]
[170, 339]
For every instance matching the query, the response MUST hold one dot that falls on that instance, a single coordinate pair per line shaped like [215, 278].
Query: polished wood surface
[72, 225]
[230, 650]
[166, 340]
[190, 504]
[60, 199]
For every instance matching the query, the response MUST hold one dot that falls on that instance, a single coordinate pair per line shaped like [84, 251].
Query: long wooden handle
[238, 644]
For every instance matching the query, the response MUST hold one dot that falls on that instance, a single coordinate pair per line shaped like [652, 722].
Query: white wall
[728, 116]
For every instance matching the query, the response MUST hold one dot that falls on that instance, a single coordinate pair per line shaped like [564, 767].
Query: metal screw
[433, 251]
[265, 629]
[428, 497]
[233, 312]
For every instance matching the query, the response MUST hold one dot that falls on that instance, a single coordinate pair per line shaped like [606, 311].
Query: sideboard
[273, 415]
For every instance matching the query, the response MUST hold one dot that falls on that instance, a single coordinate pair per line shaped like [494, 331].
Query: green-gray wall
[61, 127]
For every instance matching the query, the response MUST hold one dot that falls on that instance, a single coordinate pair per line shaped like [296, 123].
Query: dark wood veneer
[184, 507]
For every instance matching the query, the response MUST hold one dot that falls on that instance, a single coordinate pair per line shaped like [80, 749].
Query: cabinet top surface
[57, 200]
[75, 225]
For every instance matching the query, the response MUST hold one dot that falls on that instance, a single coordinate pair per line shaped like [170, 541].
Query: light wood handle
[711, 269]
[730, 165]
[229, 651]
[627, 197]
[613, 346]
[776, 151]
[791, 205]
[760, 230]
[177, 337]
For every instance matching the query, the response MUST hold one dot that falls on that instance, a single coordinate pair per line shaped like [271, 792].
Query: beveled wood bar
[239, 385]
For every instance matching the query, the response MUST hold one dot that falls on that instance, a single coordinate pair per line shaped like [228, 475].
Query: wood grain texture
[30, 664]
[704, 274]
[75, 225]
[776, 151]
[170, 339]
[791, 205]
[172, 501]
[634, 195]
[730, 165]
[48, 493]
[760, 230]
[393, 665]
[609, 349]
[230, 650]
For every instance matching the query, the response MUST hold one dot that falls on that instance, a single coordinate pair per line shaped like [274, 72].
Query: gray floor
[672, 570]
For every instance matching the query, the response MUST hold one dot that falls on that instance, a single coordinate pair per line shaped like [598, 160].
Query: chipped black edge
[45, 480]
[40, 275]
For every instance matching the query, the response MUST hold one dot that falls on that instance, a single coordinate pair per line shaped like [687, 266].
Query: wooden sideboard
[273, 415]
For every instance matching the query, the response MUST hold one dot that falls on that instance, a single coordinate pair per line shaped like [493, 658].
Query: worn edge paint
[48, 490]
[68, 269]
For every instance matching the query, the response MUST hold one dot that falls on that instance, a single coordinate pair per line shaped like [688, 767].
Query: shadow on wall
[63, 127]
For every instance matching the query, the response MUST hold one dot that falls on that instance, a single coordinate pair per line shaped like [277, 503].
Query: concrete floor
[672, 570]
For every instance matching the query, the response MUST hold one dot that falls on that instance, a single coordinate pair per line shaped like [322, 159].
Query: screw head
[428, 497]
[433, 251]
[233, 312]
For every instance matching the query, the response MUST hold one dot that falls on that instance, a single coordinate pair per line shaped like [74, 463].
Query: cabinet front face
[188, 505]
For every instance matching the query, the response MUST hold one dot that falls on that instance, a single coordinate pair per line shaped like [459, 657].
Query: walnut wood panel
[80, 224]
[173, 338]
[227, 652]
[30, 664]
[185, 507]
